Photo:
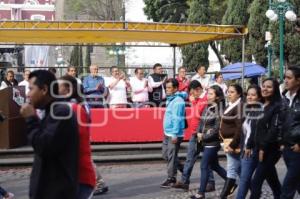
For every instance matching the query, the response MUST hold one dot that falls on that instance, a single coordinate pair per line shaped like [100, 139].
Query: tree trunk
[215, 49]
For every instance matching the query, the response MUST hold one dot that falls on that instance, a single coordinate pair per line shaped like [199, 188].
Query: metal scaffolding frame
[111, 33]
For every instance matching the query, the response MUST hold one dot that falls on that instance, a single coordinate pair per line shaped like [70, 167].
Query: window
[38, 17]
[32, 2]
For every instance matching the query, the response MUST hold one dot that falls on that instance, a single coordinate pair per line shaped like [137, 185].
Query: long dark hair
[238, 89]
[76, 88]
[276, 97]
[220, 95]
[295, 70]
[257, 90]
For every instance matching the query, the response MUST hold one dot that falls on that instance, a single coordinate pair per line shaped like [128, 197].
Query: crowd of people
[257, 126]
[257, 129]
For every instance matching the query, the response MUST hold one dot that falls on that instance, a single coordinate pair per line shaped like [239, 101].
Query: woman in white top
[117, 85]
[140, 89]
[219, 81]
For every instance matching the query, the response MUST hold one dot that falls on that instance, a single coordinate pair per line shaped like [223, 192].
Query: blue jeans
[85, 191]
[266, 170]
[233, 165]
[2, 192]
[210, 162]
[248, 165]
[291, 181]
[192, 155]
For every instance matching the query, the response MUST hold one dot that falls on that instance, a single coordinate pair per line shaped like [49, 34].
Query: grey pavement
[130, 181]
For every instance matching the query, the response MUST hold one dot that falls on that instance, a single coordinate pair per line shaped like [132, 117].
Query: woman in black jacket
[291, 133]
[253, 111]
[266, 141]
[208, 136]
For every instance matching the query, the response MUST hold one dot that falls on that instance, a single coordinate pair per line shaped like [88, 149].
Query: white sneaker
[10, 196]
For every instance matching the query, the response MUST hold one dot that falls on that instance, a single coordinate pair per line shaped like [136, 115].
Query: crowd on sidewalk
[257, 127]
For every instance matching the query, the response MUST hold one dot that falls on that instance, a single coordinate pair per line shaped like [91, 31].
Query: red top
[198, 105]
[86, 170]
[183, 84]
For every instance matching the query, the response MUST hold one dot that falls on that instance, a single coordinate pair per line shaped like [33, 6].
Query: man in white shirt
[139, 88]
[73, 72]
[117, 85]
[25, 82]
[202, 77]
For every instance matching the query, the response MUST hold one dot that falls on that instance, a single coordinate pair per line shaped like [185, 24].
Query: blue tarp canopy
[234, 71]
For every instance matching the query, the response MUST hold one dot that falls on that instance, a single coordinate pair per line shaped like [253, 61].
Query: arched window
[38, 17]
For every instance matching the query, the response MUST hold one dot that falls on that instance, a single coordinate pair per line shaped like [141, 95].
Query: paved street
[134, 181]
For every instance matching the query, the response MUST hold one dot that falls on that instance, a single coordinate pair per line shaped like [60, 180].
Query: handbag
[227, 141]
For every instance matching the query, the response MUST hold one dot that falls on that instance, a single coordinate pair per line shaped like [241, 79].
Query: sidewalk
[129, 181]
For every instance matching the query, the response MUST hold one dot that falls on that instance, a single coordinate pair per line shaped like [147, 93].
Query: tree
[196, 54]
[88, 61]
[174, 11]
[236, 14]
[258, 25]
[94, 9]
[76, 57]
[217, 9]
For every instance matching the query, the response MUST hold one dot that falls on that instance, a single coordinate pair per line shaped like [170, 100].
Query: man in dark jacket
[291, 132]
[54, 139]
[156, 81]
[9, 80]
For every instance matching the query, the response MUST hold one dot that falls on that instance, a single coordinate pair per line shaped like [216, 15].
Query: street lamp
[117, 50]
[281, 9]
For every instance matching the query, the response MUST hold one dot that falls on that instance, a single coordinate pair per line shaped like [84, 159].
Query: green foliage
[76, 57]
[173, 11]
[197, 54]
[88, 61]
[258, 25]
[236, 14]
[217, 9]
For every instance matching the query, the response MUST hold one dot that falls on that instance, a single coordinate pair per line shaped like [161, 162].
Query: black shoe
[232, 190]
[168, 183]
[198, 196]
[181, 185]
[100, 191]
[228, 189]
[210, 187]
[180, 167]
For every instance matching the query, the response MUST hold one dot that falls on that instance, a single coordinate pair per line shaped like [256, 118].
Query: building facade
[38, 10]
[27, 10]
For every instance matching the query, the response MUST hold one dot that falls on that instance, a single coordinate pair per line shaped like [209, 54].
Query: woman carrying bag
[230, 132]
[208, 137]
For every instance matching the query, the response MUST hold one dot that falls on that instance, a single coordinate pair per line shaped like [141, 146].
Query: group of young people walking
[257, 129]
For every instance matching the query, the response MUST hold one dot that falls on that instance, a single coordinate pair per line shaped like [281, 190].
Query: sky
[140, 56]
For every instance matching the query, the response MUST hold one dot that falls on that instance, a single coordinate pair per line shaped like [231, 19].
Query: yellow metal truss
[111, 32]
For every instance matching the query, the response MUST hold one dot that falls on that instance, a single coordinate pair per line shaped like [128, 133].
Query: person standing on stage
[9, 80]
[156, 82]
